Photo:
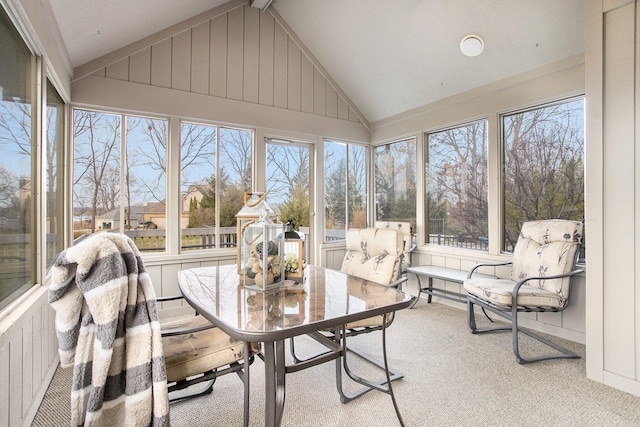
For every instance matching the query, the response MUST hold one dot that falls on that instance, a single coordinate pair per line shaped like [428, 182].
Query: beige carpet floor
[452, 378]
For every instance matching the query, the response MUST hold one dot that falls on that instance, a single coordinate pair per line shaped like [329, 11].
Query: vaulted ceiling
[387, 56]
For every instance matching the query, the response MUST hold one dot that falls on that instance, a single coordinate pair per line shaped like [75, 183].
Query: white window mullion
[123, 171]
[173, 194]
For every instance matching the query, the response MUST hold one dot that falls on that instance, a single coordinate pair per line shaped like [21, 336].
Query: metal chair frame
[336, 343]
[209, 377]
[341, 334]
[511, 313]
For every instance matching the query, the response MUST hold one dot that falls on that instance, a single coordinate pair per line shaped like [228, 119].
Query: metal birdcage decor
[254, 204]
[261, 255]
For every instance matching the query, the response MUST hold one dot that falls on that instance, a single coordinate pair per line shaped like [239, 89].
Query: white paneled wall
[242, 54]
[29, 355]
[613, 193]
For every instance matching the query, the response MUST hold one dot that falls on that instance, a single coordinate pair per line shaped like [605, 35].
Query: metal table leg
[274, 386]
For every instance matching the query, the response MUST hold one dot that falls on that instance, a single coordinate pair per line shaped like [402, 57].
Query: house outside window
[345, 188]
[457, 186]
[543, 165]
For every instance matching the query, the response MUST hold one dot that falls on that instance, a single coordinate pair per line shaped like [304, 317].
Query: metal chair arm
[398, 282]
[487, 264]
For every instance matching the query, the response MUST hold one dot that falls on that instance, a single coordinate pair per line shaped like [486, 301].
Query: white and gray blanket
[108, 330]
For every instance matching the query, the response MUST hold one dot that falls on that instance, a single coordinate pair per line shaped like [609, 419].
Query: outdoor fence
[152, 240]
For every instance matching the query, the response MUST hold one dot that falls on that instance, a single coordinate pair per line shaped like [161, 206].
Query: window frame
[252, 170]
[367, 182]
[374, 169]
[483, 247]
[173, 178]
[502, 162]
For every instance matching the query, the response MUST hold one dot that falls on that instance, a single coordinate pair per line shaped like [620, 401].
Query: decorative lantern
[254, 205]
[294, 253]
[261, 256]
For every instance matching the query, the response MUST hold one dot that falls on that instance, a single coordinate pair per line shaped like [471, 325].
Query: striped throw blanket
[108, 330]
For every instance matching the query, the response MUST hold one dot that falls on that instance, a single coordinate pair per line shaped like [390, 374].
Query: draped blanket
[108, 330]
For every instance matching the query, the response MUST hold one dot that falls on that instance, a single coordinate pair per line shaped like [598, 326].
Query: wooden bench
[443, 273]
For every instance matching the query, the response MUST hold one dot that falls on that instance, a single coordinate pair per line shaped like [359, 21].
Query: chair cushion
[373, 254]
[406, 229]
[498, 291]
[547, 248]
[198, 352]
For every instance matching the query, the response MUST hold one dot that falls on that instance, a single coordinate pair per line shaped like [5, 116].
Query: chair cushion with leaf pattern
[547, 248]
[544, 248]
[374, 254]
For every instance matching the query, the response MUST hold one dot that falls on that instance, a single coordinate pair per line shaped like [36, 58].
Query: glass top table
[323, 300]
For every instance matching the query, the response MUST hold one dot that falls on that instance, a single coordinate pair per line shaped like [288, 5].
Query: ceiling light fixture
[472, 45]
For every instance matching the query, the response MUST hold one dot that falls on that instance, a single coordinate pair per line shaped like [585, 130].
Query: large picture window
[18, 167]
[543, 165]
[395, 181]
[457, 186]
[120, 177]
[288, 184]
[345, 188]
[215, 174]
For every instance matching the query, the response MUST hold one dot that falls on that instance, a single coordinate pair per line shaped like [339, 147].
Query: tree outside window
[116, 190]
[395, 181]
[457, 186]
[345, 188]
[543, 165]
[18, 177]
[215, 174]
[288, 182]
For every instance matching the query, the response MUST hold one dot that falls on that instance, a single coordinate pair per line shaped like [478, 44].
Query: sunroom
[156, 122]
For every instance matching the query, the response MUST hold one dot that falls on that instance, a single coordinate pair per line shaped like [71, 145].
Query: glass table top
[324, 298]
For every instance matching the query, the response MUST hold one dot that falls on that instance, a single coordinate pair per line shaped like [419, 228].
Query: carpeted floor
[451, 378]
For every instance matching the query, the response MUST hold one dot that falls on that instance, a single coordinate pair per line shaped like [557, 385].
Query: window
[215, 174]
[17, 163]
[395, 181]
[457, 186]
[288, 168]
[120, 178]
[345, 188]
[543, 165]
[54, 177]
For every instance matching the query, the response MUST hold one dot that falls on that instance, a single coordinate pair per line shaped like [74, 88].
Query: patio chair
[104, 298]
[543, 265]
[375, 255]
